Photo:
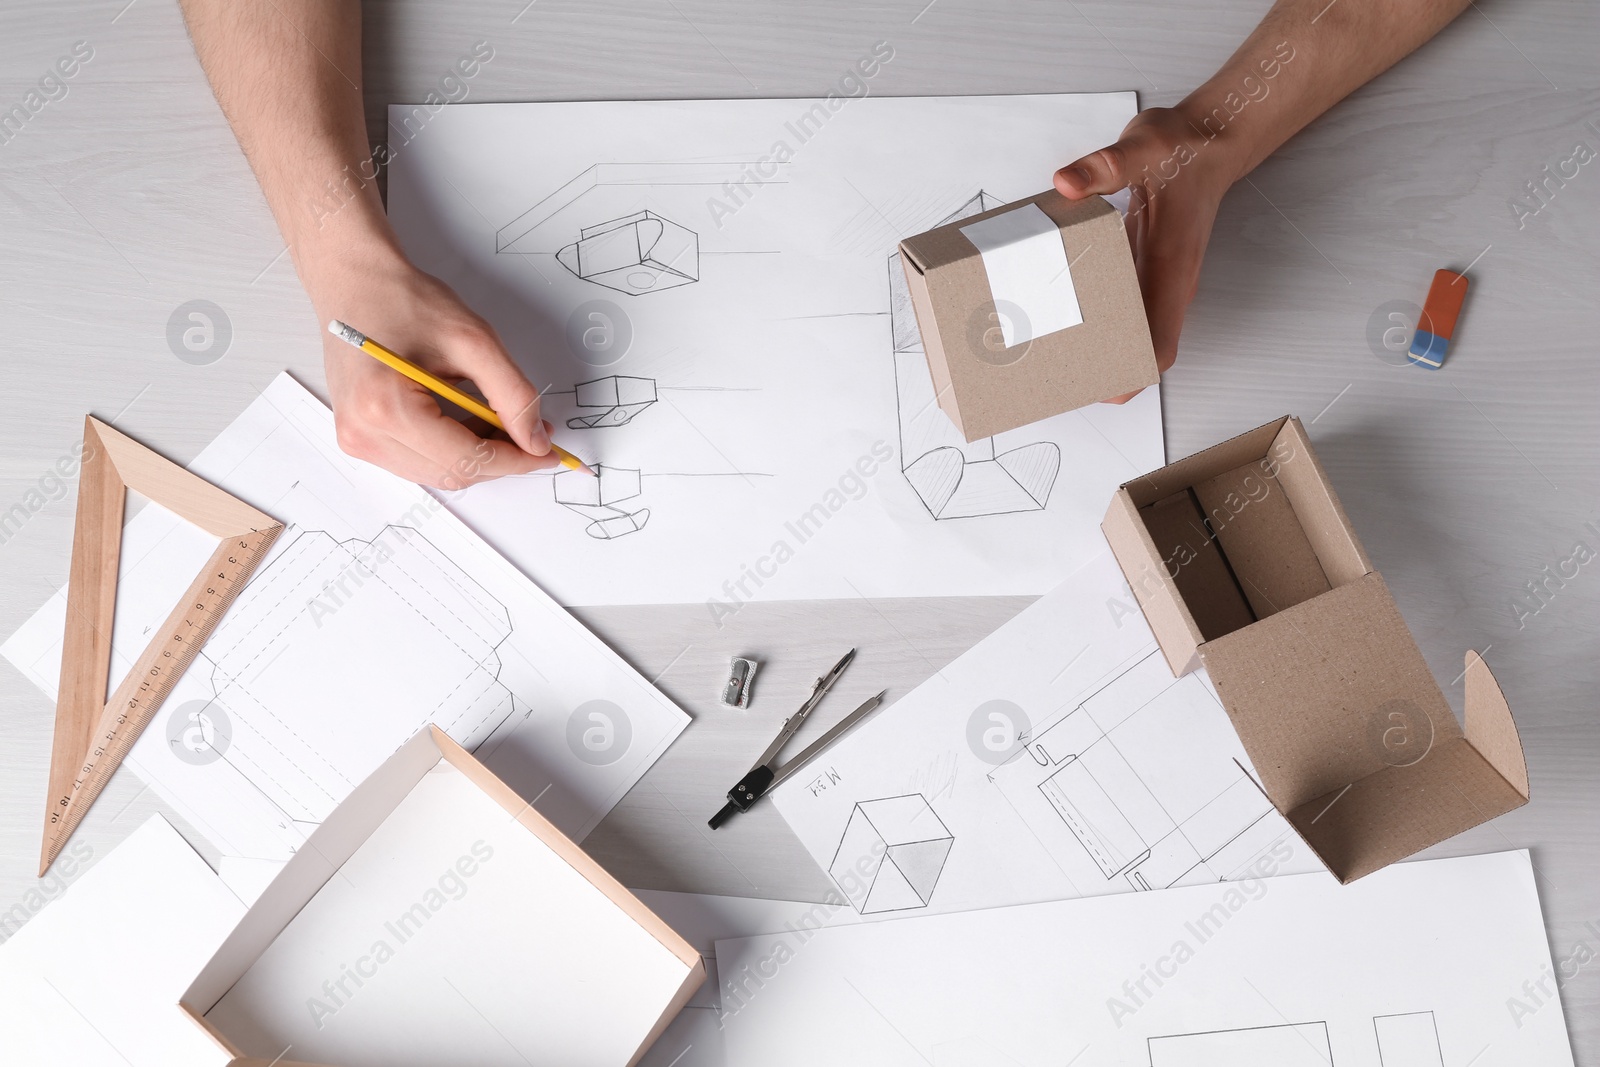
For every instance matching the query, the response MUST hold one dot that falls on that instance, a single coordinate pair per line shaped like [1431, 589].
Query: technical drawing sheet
[709, 294]
[1423, 964]
[1056, 758]
[376, 613]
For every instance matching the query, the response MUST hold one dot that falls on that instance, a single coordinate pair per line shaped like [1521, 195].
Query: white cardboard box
[435, 918]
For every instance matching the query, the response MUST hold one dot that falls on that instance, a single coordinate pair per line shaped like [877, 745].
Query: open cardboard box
[1243, 561]
[1028, 310]
[437, 918]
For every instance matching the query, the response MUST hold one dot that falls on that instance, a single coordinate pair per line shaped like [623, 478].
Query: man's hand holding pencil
[393, 420]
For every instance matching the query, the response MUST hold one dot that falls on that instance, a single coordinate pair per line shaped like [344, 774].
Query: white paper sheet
[695, 1037]
[1056, 758]
[94, 979]
[710, 293]
[1420, 965]
[376, 613]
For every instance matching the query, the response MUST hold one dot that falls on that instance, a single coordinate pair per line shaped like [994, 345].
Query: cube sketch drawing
[636, 254]
[891, 854]
[612, 498]
[597, 497]
[619, 397]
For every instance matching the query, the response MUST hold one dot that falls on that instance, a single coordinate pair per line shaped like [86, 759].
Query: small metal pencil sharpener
[741, 676]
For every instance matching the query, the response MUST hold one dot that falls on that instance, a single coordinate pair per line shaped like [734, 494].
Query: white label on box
[1029, 278]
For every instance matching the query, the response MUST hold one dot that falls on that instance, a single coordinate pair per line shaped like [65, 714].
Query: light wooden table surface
[128, 197]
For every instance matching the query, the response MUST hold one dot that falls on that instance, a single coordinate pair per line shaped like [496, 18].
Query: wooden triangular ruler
[94, 734]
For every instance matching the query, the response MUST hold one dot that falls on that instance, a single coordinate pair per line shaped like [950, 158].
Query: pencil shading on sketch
[891, 854]
[953, 478]
[618, 399]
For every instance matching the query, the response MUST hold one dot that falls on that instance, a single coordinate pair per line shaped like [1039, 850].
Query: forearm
[1304, 57]
[287, 74]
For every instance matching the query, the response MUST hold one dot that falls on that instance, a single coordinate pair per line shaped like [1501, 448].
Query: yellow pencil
[439, 386]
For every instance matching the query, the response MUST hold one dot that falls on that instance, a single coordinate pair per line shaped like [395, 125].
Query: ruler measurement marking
[162, 677]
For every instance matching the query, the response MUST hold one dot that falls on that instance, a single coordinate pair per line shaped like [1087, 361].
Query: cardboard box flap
[1490, 726]
[1153, 586]
[1403, 808]
[1236, 451]
[1328, 691]
[1296, 467]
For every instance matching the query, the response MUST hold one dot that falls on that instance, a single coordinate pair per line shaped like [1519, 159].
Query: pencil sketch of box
[891, 854]
[600, 498]
[953, 477]
[636, 254]
[619, 398]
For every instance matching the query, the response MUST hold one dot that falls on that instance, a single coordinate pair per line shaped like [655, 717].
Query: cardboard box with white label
[1027, 311]
[435, 917]
[1244, 562]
